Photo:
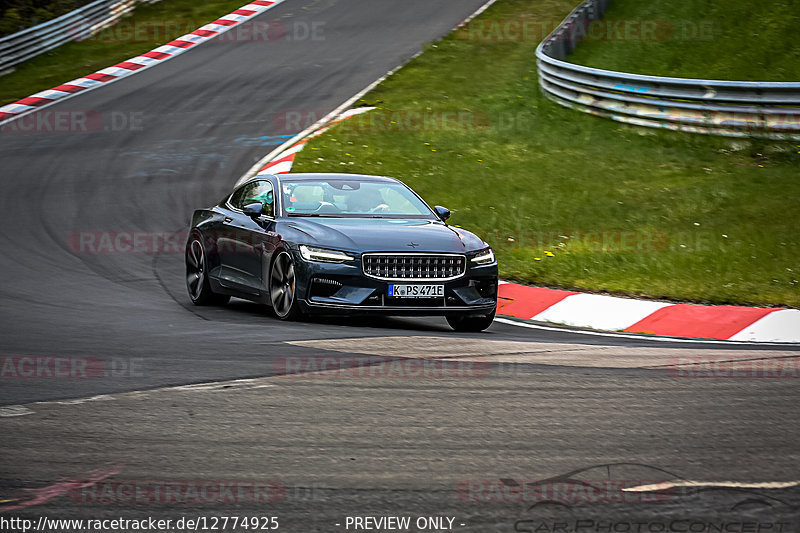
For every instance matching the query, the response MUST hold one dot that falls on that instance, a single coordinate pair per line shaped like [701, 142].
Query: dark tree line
[16, 15]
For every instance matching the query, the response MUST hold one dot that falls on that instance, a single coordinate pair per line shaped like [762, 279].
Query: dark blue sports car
[339, 243]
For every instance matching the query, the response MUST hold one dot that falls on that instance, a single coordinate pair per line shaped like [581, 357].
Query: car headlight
[311, 253]
[485, 257]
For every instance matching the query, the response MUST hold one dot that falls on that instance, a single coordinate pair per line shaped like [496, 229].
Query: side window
[257, 191]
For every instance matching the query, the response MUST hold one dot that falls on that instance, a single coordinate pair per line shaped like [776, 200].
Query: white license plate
[416, 291]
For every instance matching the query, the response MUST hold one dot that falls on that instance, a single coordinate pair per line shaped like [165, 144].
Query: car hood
[380, 234]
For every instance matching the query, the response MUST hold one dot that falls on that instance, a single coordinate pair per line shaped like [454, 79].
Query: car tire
[470, 323]
[282, 284]
[197, 282]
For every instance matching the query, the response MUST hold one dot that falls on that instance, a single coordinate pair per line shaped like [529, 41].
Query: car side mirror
[254, 210]
[442, 212]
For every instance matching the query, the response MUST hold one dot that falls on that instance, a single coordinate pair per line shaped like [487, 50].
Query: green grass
[148, 27]
[712, 39]
[711, 219]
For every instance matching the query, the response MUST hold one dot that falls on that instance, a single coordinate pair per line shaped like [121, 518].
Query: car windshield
[352, 199]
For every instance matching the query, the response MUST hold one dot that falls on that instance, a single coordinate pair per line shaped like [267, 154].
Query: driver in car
[267, 199]
[367, 201]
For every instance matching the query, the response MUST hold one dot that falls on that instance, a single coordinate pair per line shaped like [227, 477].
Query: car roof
[314, 176]
[326, 176]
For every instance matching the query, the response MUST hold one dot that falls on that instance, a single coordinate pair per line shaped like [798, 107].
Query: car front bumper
[343, 288]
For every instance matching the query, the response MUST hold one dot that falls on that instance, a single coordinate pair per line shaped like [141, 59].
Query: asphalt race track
[201, 395]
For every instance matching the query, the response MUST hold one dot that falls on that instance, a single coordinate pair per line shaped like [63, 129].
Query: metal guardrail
[732, 108]
[76, 25]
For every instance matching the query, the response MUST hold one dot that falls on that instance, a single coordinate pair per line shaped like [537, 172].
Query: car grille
[414, 267]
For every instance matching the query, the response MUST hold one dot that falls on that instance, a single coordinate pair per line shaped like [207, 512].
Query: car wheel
[470, 323]
[197, 276]
[282, 287]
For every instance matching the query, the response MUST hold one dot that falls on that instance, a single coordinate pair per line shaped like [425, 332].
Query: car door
[248, 241]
